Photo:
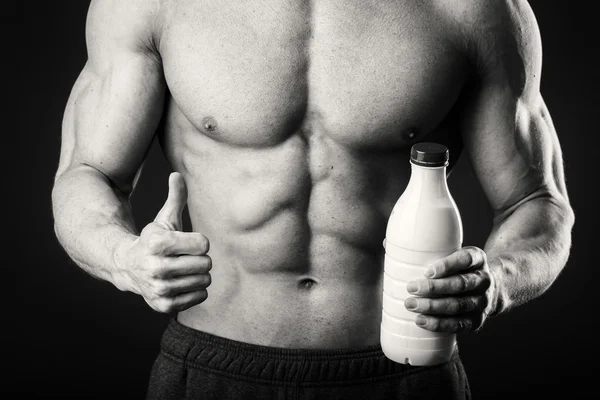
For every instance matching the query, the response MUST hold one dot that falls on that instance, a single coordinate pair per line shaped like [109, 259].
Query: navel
[306, 284]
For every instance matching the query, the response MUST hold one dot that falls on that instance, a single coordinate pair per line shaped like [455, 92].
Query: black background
[66, 334]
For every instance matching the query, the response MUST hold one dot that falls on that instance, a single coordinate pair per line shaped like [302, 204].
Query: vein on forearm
[91, 217]
[527, 249]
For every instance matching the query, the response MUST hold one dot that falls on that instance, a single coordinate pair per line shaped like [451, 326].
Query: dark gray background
[69, 335]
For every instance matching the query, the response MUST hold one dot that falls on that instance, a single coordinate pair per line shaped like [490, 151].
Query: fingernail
[410, 303]
[421, 320]
[429, 272]
[412, 287]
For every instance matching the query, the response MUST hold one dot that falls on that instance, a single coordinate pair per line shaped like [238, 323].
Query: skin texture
[288, 126]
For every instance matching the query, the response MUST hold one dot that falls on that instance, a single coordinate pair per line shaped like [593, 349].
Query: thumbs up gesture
[169, 268]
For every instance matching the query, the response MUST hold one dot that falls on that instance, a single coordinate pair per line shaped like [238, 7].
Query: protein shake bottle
[424, 225]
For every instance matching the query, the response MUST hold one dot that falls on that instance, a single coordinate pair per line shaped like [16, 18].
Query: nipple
[209, 124]
[411, 133]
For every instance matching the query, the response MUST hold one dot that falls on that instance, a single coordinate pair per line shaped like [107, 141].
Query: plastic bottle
[425, 225]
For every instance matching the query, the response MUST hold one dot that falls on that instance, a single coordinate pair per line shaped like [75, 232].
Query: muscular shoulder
[130, 25]
[503, 40]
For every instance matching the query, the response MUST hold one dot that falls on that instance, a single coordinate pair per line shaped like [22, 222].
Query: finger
[447, 306]
[182, 284]
[448, 325]
[184, 265]
[170, 215]
[173, 243]
[455, 284]
[188, 243]
[462, 259]
[180, 302]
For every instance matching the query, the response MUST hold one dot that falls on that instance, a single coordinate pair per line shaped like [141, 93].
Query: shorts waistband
[197, 349]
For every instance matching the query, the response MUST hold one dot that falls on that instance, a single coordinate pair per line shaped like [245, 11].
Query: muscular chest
[251, 73]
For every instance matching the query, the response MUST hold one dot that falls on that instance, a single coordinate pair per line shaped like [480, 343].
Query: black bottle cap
[429, 154]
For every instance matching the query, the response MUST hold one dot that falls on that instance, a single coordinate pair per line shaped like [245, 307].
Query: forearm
[92, 220]
[527, 249]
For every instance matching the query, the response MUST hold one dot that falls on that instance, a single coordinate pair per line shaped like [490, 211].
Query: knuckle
[202, 264]
[208, 263]
[430, 286]
[434, 324]
[203, 242]
[455, 306]
[477, 255]
[482, 255]
[165, 305]
[473, 281]
[169, 239]
[469, 258]
[157, 268]
[207, 280]
[461, 283]
[482, 278]
[161, 289]
[156, 242]
[425, 305]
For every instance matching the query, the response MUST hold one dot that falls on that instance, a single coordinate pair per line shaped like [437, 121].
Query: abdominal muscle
[295, 236]
[291, 123]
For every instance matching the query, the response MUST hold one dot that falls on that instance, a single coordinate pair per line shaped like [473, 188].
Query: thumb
[170, 214]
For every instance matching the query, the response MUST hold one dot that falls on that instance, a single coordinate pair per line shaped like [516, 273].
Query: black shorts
[196, 365]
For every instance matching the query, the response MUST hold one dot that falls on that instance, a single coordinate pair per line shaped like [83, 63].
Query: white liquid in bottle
[424, 226]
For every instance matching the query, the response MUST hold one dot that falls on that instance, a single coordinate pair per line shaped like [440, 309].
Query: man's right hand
[169, 268]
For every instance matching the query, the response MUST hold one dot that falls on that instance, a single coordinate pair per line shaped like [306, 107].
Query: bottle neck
[433, 178]
[428, 172]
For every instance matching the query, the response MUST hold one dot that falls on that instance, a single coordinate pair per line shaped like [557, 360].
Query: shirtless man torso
[290, 123]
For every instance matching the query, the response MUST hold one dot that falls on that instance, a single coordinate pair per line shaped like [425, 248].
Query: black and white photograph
[300, 199]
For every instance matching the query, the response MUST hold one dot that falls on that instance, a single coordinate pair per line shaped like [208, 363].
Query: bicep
[507, 130]
[514, 149]
[116, 103]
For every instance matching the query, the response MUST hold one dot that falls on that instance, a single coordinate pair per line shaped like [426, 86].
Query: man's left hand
[458, 294]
